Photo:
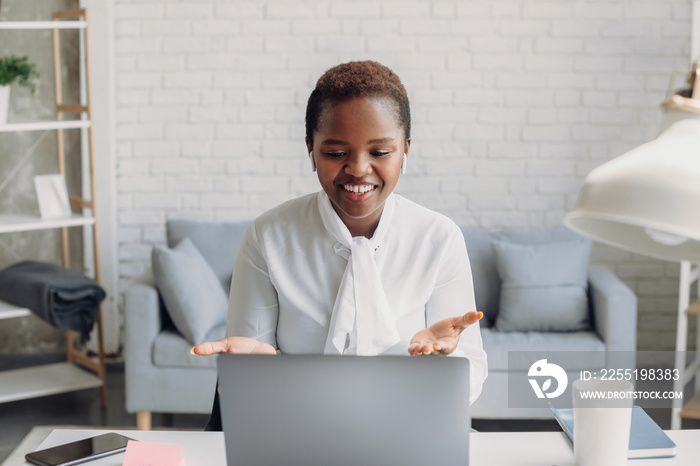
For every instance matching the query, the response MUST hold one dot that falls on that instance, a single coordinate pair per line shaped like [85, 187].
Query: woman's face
[358, 149]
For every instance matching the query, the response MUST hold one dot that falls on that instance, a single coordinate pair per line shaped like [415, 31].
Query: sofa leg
[143, 420]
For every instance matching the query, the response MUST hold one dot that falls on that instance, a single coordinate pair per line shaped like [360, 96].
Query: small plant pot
[4, 103]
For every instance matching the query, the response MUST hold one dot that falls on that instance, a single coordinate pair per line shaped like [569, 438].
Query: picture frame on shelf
[52, 194]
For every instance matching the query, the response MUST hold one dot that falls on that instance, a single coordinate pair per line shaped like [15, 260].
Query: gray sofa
[610, 342]
[161, 375]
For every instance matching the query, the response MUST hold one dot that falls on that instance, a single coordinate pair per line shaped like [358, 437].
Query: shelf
[14, 223]
[44, 125]
[692, 409]
[49, 379]
[26, 25]
[10, 311]
[694, 309]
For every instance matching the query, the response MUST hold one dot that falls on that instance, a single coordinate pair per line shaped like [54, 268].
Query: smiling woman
[354, 269]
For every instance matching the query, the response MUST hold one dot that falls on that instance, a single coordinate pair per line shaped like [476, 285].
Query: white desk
[497, 448]
[553, 448]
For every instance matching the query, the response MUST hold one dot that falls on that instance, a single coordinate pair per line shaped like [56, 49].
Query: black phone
[79, 452]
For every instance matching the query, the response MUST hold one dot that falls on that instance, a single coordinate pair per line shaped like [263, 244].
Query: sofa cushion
[218, 242]
[543, 286]
[193, 296]
[170, 349]
[487, 285]
[583, 350]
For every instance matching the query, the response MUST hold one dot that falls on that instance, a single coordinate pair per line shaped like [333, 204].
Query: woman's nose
[359, 165]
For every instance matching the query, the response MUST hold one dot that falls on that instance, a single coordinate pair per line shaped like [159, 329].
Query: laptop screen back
[344, 410]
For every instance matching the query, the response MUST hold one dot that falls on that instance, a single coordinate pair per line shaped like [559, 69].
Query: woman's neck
[365, 226]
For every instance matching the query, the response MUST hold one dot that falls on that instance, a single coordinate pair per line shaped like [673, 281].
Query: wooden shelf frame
[57, 378]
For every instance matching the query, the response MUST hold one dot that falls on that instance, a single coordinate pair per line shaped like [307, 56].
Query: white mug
[602, 422]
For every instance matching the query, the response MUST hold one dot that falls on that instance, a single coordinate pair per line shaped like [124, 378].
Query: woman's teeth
[358, 189]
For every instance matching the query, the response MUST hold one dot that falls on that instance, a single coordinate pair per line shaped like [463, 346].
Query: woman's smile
[358, 190]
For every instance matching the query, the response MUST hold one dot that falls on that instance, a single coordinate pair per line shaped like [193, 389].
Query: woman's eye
[335, 155]
[379, 153]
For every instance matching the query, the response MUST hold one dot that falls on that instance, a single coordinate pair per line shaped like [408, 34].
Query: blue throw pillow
[543, 286]
[191, 291]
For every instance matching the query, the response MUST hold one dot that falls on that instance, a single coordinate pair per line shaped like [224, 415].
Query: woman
[355, 268]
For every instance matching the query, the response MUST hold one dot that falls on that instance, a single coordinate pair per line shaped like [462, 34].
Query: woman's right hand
[233, 345]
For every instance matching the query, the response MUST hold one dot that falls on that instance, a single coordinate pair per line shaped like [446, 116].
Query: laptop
[344, 410]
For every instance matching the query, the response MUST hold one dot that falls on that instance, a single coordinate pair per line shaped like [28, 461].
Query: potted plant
[13, 68]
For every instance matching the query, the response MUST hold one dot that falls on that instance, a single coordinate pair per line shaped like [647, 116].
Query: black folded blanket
[64, 298]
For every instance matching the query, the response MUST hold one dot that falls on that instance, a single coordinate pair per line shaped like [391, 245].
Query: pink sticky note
[152, 454]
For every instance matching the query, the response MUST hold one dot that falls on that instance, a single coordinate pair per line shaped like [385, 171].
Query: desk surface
[486, 448]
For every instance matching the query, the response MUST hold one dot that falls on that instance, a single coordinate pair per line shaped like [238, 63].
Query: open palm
[442, 337]
[233, 345]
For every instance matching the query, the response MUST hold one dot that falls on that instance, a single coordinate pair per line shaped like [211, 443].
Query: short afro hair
[357, 79]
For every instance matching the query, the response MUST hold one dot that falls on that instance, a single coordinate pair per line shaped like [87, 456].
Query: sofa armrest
[142, 323]
[614, 308]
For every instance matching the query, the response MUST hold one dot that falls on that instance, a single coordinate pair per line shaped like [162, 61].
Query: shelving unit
[70, 375]
[687, 370]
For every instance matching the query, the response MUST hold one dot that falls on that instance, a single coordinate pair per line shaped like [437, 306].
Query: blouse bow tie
[362, 322]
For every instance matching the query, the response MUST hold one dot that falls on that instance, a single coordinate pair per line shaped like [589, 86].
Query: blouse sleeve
[454, 295]
[253, 304]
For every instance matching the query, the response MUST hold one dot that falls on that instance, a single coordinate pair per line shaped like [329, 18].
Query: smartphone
[79, 452]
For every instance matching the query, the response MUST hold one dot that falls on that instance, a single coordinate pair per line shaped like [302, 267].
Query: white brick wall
[513, 103]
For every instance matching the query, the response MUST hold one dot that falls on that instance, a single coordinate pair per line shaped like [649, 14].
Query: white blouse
[293, 258]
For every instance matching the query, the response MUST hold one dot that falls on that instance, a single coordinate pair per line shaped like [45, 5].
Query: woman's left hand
[442, 337]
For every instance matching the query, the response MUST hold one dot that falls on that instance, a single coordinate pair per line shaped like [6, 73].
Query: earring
[313, 162]
[403, 165]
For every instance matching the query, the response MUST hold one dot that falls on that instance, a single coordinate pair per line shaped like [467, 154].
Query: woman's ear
[404, 162]
[311, 155]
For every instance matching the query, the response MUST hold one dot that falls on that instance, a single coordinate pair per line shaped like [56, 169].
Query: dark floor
[83, 408]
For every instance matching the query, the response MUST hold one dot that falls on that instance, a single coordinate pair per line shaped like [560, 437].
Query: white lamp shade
[648, 200]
